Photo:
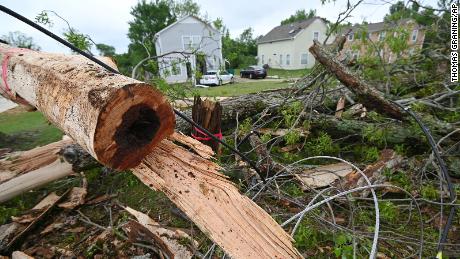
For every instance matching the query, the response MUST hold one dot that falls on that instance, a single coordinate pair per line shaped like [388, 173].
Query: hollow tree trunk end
[134, 120]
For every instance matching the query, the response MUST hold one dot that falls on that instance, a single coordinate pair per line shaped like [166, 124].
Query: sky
[106, 21]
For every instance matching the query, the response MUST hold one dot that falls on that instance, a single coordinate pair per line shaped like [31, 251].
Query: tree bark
[366, 94]
[118, 120]
[208, 115]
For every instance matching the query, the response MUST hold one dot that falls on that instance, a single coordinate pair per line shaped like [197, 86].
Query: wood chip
[170, 238]
[323, 176]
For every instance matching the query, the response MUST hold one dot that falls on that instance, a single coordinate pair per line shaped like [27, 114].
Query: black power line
[102, 64]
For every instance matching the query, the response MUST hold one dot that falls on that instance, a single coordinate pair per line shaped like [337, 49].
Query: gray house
[186, 46]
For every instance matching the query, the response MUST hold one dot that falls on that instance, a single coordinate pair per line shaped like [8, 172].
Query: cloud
[106, 21]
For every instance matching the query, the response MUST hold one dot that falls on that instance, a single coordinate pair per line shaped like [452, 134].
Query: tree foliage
[105, 50]
[299, 15]
[20, 40]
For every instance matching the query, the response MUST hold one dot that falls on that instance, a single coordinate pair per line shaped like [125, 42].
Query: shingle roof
[287, 31]
[379, 26]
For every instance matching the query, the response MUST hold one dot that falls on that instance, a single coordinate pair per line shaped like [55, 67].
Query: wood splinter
[117, 119]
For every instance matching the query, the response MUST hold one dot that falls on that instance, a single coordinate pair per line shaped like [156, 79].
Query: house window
[191, 42]
[281, 59]
[382, 35]
[175, 68]
[315, 35]
[350, 36]
[304, 59]
[414, 35]
[356, 55]
[288, 59]
[263, 59]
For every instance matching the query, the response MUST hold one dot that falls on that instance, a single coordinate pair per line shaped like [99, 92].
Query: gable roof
[179, 21]
[380, 26]
[287, 31]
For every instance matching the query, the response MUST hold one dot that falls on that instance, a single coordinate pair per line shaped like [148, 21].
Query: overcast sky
[106, 21]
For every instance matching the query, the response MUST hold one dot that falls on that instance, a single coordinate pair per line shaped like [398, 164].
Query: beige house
[375, 35]
[286, 46]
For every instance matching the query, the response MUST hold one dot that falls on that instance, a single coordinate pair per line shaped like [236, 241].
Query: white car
[216, 77]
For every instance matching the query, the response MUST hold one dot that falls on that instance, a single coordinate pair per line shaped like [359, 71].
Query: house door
[188, 66]
[201, 63]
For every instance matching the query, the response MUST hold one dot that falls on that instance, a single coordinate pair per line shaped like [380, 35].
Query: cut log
[117, 119]
[367, 95]
[32, 159]
[24, 171]
[34, 179]
[240, 227]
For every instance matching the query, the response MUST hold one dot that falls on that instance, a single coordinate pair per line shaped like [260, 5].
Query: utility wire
[445, 172]
[102, 64]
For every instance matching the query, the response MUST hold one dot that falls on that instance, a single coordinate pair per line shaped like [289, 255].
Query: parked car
[216, 77]
[253, 72]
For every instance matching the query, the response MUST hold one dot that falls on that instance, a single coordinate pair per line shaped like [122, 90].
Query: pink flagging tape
[218, 135]
[6, 89]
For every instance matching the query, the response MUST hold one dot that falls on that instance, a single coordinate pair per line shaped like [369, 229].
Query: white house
[286, 46]
[188, 45]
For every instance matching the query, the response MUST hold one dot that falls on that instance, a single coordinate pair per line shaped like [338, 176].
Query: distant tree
[184, 7]
[105, 50]
[399, 11]
[20, 40]
[299, 15]
[79, 40]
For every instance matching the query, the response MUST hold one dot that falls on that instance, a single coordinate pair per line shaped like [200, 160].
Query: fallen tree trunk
[34, 179]
[194, 184]
[117, 119]
[365, 93]
[24, 171]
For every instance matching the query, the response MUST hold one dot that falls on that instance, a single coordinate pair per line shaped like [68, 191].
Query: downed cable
[102, 64]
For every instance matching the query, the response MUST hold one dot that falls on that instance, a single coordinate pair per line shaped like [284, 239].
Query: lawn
[283, 73]
[241, 88]
[22, 130]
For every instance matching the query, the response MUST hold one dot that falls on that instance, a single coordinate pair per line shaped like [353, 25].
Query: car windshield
[211, 73]
[257, 68]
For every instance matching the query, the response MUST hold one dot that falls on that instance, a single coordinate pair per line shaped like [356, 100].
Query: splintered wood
[240, 227]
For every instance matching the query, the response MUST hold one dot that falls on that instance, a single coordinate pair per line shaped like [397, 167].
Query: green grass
[26, 130]
[240, 88]
[283, 73]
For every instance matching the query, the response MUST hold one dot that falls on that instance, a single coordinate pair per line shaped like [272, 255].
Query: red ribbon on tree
[206, 136]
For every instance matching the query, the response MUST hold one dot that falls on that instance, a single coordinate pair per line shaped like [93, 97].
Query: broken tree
[117, 119]
[112, 115]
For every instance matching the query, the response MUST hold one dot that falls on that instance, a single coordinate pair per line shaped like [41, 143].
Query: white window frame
[382, 35]
[306, 59]
[288, 59]
[263, 59]
[194, 45]
[317, 38]
[351, 36]
[414, 35]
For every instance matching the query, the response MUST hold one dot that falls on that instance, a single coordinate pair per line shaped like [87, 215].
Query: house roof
[379, 26]
[287, 31]
[179, 21]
